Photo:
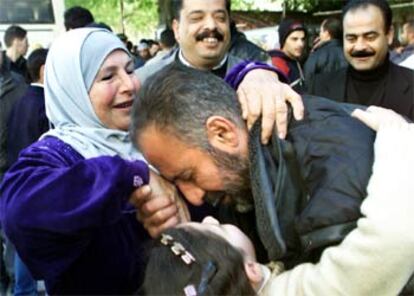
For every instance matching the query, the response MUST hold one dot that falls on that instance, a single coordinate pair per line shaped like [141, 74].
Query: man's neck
[208, 67]
[12, 54]
[290, 56]
[373, 74]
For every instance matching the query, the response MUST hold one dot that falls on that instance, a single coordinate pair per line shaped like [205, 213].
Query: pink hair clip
[190, 290]
[177, 248]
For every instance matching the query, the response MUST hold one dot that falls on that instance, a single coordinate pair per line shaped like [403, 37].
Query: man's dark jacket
[12, 88]
[27, 120]
[399, 92]
[246, 50]
[328, 57]
[308, 189]
[290, 67]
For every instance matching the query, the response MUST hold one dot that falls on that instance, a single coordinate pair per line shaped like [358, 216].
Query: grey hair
[179, 100]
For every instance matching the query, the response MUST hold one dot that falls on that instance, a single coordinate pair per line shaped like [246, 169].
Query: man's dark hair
[151, 42]
[382, 5]
[14, 32]
[334, 27]
[167, 38]
[34, 62]
[179, 100]
[143, 40]
[216, 262]
[99, 25]
[77, 17]
[177, 6]
[129, 45]
[123, 37]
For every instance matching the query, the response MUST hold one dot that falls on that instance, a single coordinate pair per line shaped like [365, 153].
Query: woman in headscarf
[65, 202]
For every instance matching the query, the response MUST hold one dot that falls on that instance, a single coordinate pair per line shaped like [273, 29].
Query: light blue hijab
[73, 62]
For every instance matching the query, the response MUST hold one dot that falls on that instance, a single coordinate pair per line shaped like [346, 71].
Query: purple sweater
[70, 220]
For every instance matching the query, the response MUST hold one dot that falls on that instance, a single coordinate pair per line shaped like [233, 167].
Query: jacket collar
[276, 190]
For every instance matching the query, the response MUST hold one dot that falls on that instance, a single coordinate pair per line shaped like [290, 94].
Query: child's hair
[204, 264]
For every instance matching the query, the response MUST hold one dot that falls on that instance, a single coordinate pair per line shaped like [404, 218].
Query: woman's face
[229, 232]
[114, 89]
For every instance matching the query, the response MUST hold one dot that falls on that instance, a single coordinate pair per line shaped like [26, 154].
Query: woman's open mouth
[124, 105]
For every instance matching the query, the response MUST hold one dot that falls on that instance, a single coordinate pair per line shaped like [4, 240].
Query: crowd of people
[200, 164]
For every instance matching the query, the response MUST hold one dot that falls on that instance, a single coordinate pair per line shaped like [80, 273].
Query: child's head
[192, 260]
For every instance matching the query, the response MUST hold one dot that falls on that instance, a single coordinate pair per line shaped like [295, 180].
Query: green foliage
[323, 5]
[242, 4]
[140, 16]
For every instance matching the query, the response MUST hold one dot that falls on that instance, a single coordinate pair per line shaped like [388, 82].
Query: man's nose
[191, 192]
[210, 22]
[360, 44]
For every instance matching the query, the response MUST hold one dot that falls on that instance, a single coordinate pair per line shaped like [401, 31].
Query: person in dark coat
[244, 49]
[28, 116]
[370, 78]
[328, 54]
[12, 87]
[26, 123]
[15, 39]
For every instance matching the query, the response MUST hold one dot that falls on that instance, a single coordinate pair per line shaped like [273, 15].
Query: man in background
[407, 41]
[328, 54]
[15, 39]
[13, 73]
[292, 37]
[77, 17]
[370, 78]
[27, 120]
[167, 43]
[202, 31]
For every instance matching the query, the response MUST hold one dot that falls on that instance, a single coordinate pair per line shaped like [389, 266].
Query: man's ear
[254, 273]
[390, 35]
[174, 26]
[222, 133]
[42, 74]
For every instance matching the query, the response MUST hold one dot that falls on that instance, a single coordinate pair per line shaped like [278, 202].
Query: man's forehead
[200, 5]
[161, 147]
[363, 19]
[297, 34]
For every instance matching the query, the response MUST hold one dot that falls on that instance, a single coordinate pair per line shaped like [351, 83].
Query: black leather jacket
[308, 189]
[327, 58]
